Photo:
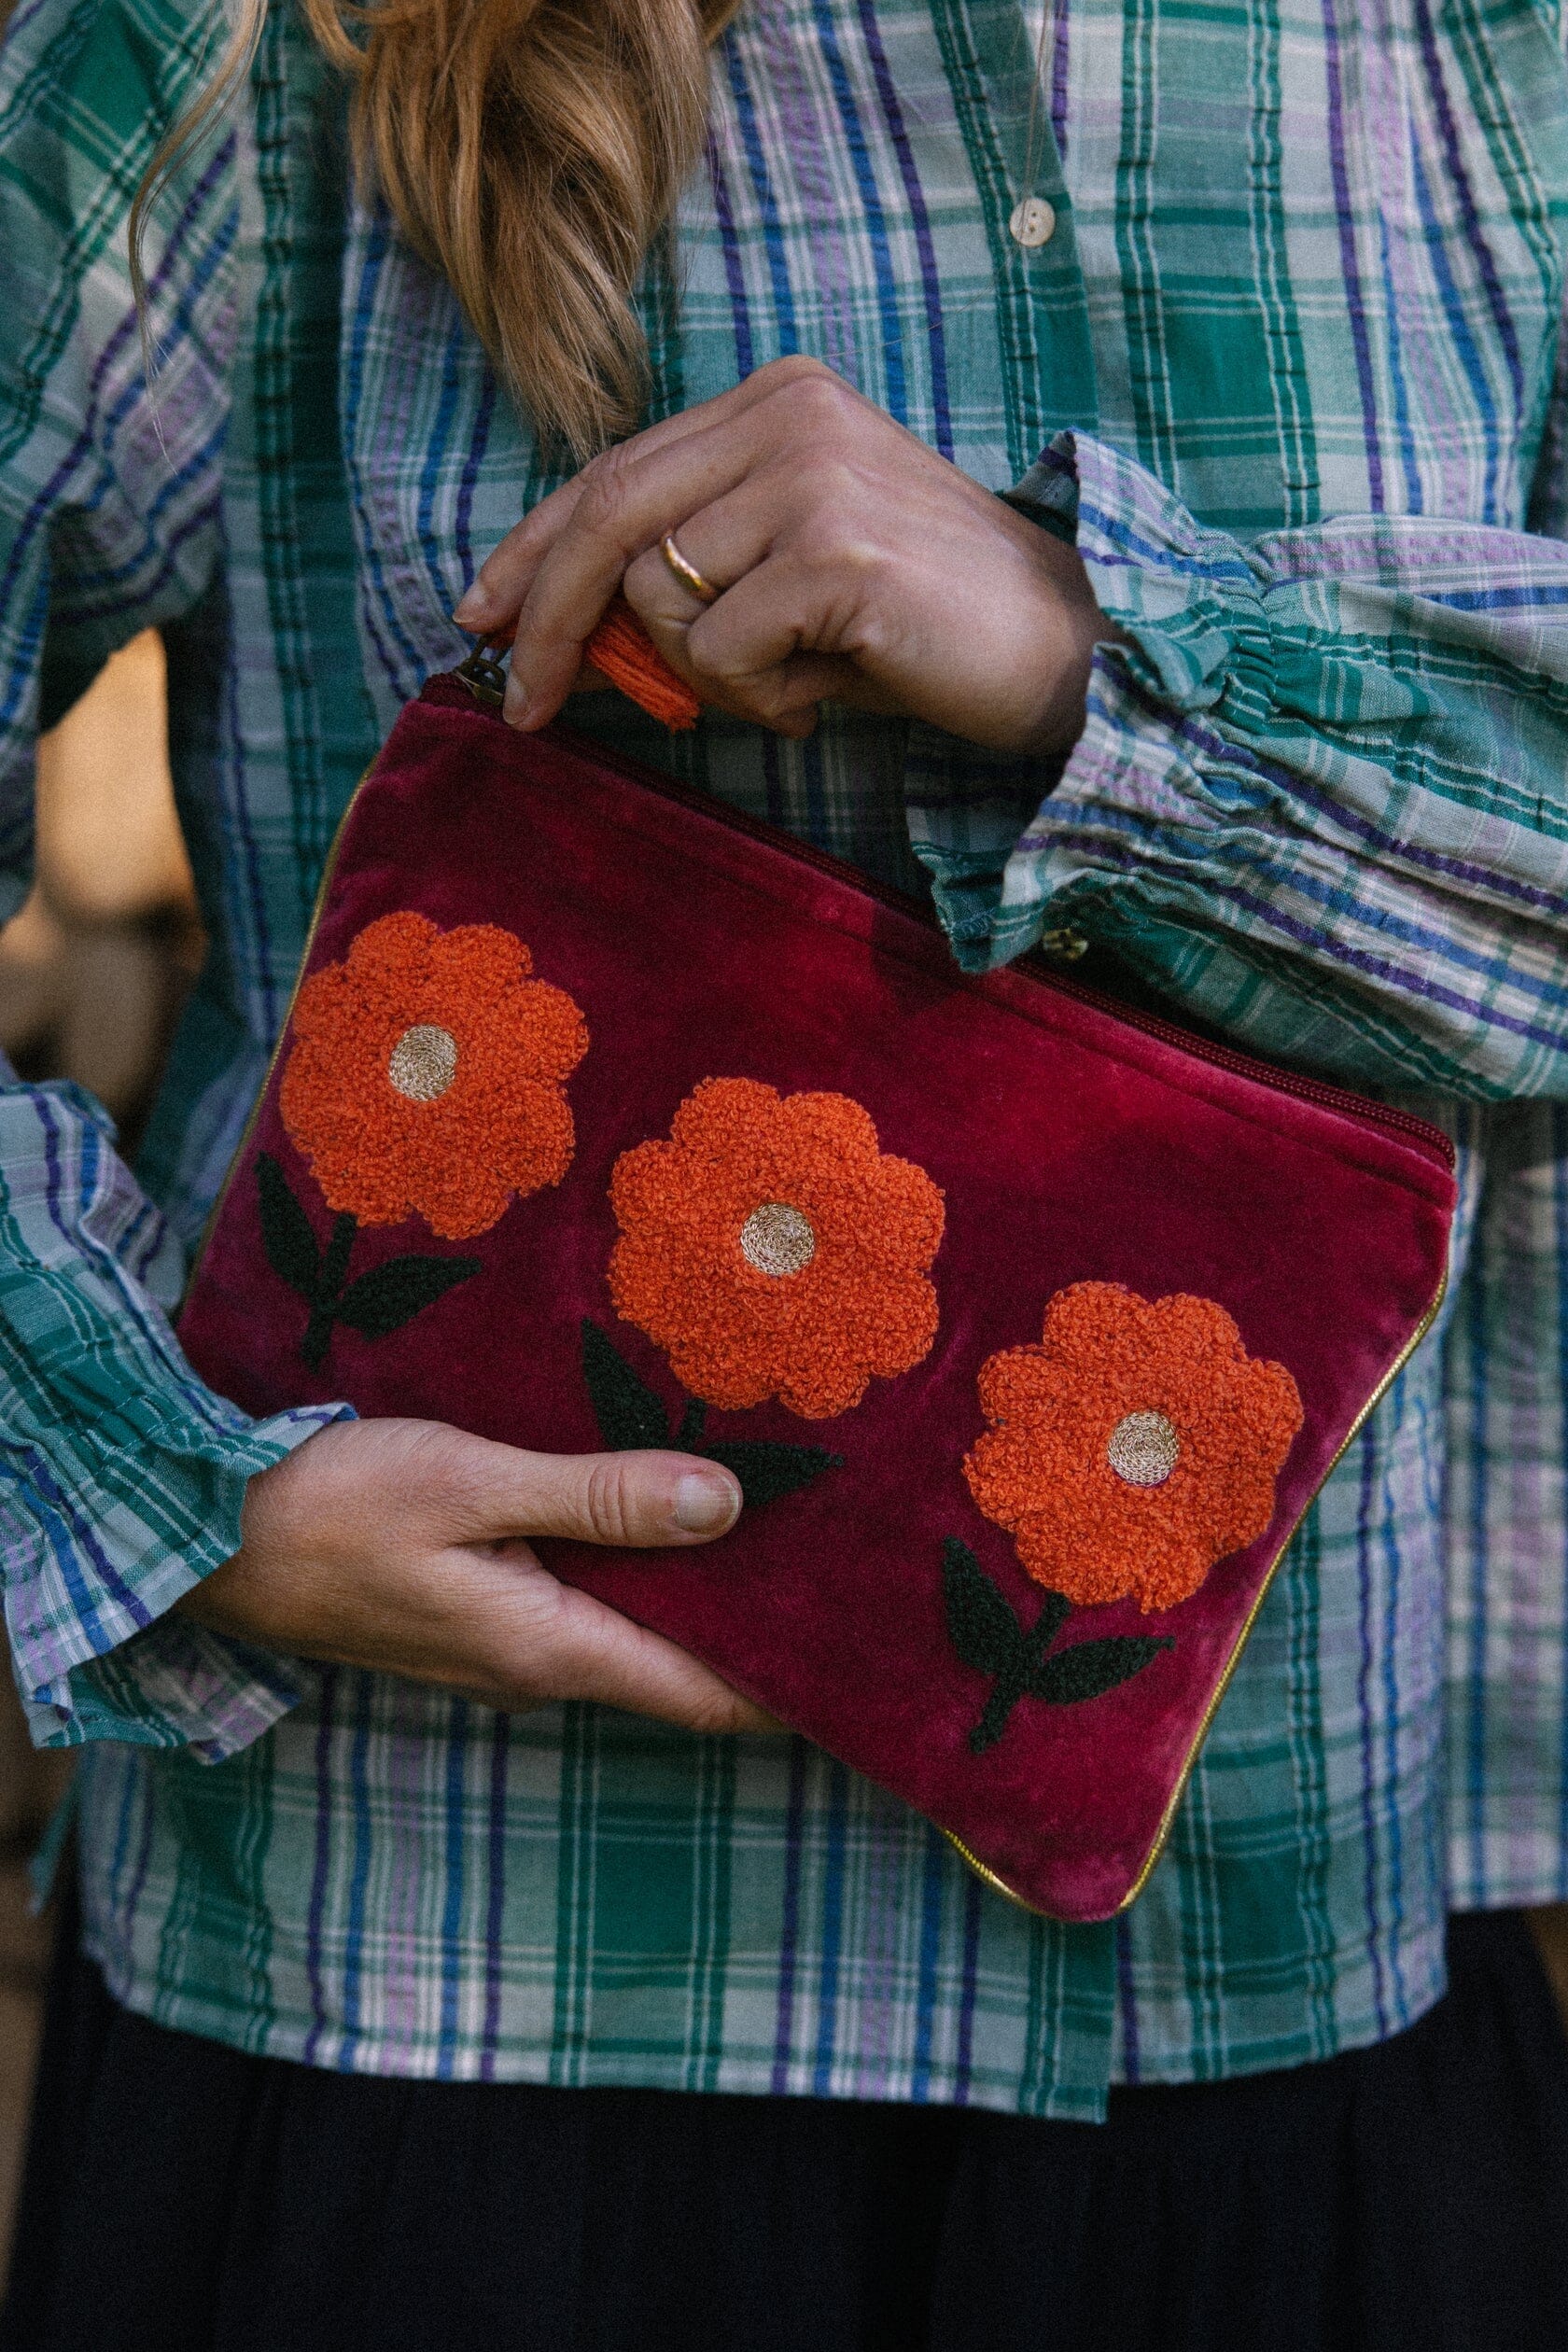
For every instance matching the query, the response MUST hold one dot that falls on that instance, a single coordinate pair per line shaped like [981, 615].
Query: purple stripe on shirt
[1348, 264]
[809, 143]
[931, 282]
[735, 276]
[878, 1943]
[1060, 24]
[1453, 156]
[963, 2057]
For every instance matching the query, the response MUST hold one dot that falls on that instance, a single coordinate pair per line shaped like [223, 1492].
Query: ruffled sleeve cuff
[122, 1475]
[1318, 798]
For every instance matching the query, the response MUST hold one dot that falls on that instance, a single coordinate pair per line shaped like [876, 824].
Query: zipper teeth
[1385, 1114]
[1403, 1123]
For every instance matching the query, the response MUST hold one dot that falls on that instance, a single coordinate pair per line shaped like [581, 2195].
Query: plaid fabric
[1286, 369]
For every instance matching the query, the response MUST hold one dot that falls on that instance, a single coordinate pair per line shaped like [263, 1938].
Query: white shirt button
[1033, 221]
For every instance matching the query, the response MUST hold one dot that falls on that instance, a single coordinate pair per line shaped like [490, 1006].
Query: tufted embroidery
[771, 1249]
[426, 1076]
[1133, 1447]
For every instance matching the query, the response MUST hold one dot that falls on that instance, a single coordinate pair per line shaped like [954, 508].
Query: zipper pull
[483, 677]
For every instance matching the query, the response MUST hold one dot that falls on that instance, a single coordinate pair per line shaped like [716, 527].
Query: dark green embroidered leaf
[391, 1295]
[980, 1620]
[319, 1337]
[629, 1415]
[688, 1438]
[1089, 1668]
[1005, 1694]
[334, 1266]
[287, 1235]
[766, 1469]
[1055, 1610]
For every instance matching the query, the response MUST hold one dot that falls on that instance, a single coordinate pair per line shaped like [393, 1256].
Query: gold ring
[688, 574]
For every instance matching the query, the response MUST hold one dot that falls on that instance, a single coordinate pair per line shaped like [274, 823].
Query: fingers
[739, 654]
[503, 579]
[597, 1654]
[643, 1499]
[724, 540]
[631, 499]
[559, 569]
[851, 562]
[746, 669]
[395, 1545]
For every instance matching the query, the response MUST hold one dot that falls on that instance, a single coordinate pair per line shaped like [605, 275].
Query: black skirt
[182, 2197]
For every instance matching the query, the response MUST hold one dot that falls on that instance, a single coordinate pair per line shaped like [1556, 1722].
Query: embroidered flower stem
[375, 1304]
[328, 1286]
[629, 1415]
[987, 1634]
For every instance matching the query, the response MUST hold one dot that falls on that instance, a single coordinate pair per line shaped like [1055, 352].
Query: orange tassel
[622, 650]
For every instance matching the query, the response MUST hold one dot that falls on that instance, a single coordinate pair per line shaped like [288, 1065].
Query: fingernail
[705, 1505]
[514, 708]
[473, 606]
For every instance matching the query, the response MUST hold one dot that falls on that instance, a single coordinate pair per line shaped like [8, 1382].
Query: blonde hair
[531, 150]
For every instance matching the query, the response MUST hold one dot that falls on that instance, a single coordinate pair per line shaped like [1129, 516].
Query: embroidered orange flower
[1133, 1448]
[425, 1075]
[771, 1248]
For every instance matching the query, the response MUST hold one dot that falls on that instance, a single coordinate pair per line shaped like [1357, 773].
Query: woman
[439, 1931]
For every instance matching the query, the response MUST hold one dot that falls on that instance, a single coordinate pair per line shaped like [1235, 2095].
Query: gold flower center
[778, 1239]
[423, 1062]
[1144, 1449]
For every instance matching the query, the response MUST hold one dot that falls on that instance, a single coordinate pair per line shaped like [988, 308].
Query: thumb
[640, 1498]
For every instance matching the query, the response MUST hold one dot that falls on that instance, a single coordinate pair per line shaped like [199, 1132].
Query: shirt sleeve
[1321, 798]
[121, 1474]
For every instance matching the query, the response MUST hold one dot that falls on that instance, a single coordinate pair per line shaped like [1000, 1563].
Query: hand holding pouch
[1031, 1326]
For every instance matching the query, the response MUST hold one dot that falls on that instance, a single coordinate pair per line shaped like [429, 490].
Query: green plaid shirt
[1286, 367]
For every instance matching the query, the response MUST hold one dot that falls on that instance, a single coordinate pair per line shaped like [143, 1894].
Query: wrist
[1071, 626]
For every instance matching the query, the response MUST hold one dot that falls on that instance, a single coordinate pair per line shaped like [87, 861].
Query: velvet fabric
[1074, 1143]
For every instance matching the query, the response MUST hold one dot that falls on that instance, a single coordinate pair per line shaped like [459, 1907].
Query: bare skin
[854, 564]
[403, 1545]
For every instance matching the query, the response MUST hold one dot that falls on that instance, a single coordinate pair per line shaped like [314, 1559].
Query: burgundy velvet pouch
[1030, 1326]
